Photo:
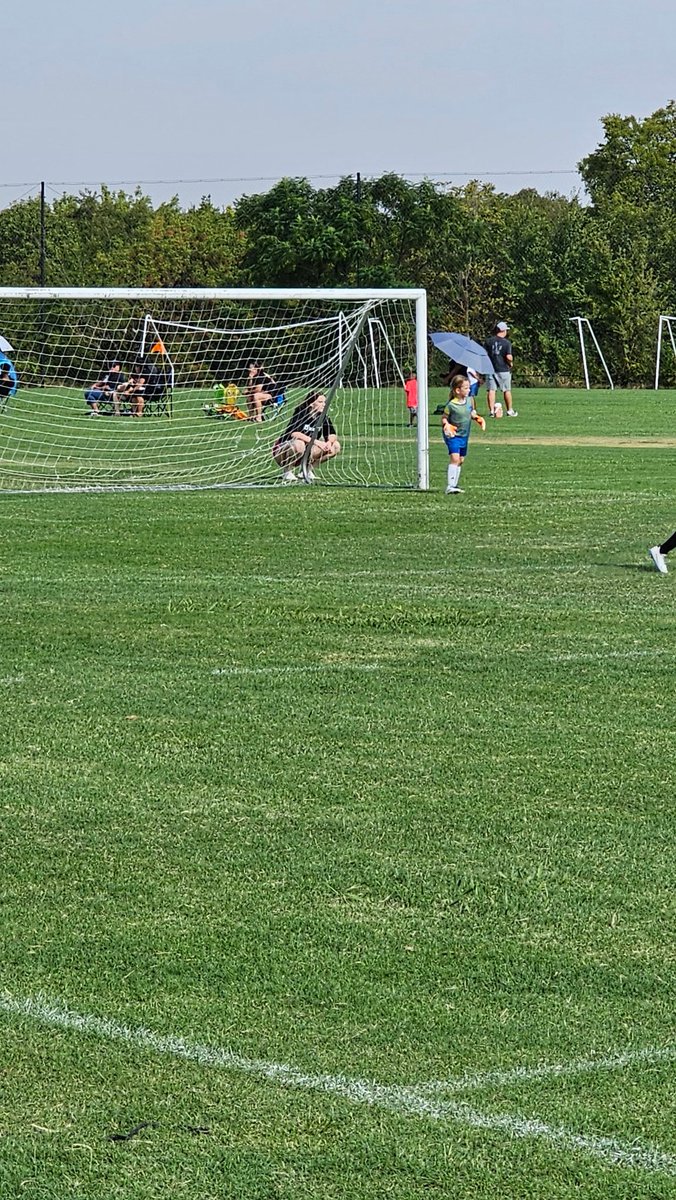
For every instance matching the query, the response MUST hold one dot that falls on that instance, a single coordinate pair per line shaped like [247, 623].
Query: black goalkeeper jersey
[303, 421]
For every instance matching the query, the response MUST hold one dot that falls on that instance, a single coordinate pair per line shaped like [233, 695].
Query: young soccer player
[659, 553]
[411, 390]
[456, 422]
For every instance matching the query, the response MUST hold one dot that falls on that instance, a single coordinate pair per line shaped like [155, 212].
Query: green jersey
[459, 413]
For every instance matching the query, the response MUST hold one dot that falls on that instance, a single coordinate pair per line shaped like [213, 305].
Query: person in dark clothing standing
[499, 349]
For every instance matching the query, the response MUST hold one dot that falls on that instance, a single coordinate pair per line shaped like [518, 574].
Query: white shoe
[456, 491]
[511, 413]
[289, 477]
[659, 560]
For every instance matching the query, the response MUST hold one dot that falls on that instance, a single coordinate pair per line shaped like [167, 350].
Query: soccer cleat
[289, 477]
[454, 491]
[512, 413]
[659, 560]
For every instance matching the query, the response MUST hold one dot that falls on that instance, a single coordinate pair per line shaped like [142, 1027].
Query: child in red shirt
[411, 390]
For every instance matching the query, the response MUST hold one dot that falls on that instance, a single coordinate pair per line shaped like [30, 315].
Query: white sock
[453, 476]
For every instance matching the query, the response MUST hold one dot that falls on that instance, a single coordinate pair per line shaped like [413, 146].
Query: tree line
[533, 259]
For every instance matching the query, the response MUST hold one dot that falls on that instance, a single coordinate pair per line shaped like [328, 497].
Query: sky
[224, 97]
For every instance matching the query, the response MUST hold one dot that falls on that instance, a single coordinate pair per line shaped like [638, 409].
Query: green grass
[451, 852]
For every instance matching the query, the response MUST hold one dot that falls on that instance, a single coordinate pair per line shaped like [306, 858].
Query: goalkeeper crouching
[456, 422]
[308, 422]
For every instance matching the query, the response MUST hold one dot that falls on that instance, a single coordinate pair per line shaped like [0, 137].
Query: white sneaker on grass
[289, 477]
[512, 413]
[455, 491]
[659, 560]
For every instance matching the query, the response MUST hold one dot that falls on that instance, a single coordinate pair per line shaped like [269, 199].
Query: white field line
[320, 668]
[400, 664]
[406, 1101]
[649, 1056]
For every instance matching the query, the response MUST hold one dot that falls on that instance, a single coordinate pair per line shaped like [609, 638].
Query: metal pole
[43, 278]
[600, 353]
[423, 403]
[659, 350]
[358, 199]
[43, 254]
[578, 322]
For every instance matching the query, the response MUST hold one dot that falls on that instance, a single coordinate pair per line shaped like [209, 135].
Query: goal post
[187, 355]
[582, 324]
[665, 331]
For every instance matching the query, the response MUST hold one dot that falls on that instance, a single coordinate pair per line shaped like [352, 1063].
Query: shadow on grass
[645, 568]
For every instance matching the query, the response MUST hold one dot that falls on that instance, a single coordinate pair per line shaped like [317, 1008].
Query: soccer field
[339, 853]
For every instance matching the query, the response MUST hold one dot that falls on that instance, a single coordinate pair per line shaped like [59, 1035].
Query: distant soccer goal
[584, 327]
[188, 358]
[665, 334]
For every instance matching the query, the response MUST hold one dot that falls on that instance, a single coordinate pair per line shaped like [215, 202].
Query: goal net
[205, 385]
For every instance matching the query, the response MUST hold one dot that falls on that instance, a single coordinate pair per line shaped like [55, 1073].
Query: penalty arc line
[407, 1101]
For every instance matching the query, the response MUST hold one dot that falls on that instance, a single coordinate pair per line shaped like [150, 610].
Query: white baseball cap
[502, 326]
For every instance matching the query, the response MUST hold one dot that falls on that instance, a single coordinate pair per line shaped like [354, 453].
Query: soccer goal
[665, 332]
[583, 325]
[193, 349]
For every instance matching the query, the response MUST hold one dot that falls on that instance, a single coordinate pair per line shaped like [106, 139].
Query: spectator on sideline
[291, 447]
[456, 422]
[133, 393]
[411, 390]
[455, 368]
[261, 390]
[6, 384]
[105, 389]
[659, 553]
[499, 349]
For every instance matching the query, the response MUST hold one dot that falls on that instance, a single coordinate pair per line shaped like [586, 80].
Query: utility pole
[43, 277]
[43, 253]
[359, 217]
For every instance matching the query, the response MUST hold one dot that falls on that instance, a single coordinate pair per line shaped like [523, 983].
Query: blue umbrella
[464, 351]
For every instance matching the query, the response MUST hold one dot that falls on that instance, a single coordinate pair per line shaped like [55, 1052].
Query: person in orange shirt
[411, 390]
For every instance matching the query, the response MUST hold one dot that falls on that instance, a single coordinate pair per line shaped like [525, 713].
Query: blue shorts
[457, 445]
[474, 388]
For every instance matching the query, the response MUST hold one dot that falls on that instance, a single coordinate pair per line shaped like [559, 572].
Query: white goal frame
[581, 323]
[664, 321]
[415, 296]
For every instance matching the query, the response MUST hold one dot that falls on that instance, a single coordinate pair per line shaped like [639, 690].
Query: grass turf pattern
[374, 784]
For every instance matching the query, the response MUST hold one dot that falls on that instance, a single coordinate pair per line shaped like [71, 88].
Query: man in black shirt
[499, 349]
[307, 420]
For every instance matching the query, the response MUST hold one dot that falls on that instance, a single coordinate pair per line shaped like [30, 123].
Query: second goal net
[150, 388]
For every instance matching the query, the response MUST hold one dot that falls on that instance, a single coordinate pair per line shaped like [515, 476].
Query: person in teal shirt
[456, 423]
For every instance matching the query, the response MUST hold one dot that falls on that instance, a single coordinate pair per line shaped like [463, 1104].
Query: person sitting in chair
[261, 390]
[7, 384]
[133, 393]
[104, 389]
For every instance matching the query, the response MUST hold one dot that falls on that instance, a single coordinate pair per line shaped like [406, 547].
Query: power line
[275, 178]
